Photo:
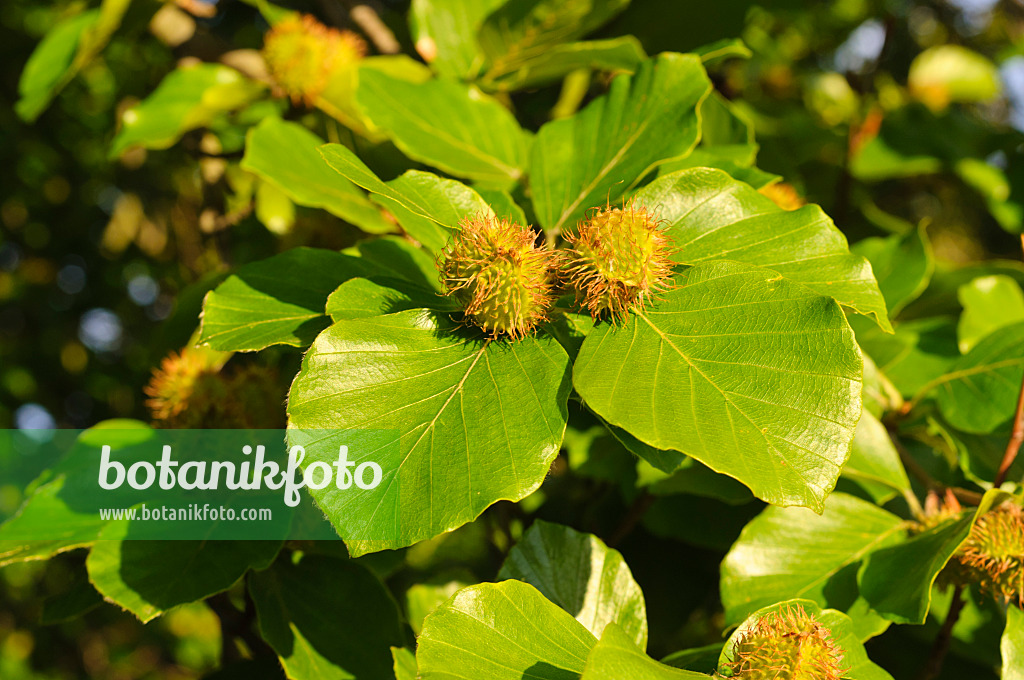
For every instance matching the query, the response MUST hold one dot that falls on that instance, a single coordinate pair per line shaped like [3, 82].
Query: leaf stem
[942, 641]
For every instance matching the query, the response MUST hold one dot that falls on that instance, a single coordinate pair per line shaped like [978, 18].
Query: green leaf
[427, 207]
[990, 302]
[62, 53]
[696, 380]
[616, 54]
[66, 496]
[189, 97]
[595, 156]
[327, 618]
[400, 258]
[616, 655]
[918, 351]
[711, 216]
[1012, 646]
[405, 664]
[952, 73]
[902, 264]
[794, 553]
[445, 34]
[582, 575]
[980, 390]
[897, 581]
[47, 69]
[358, 298]
[149, 577]
[521, 32]
[274, 209]
[448, 125]
[453, 466]
[502, 631]
[720, 50]
[423, 598]
[276, 301]
[855, 658]
[286, 155]
[874, 461]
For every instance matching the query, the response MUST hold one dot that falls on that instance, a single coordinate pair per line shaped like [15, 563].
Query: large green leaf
[476, 420]
[427, 207]
[856, 663]
[711, 216]
[902, 264]
[990, 302]
[276, 301]
[357, 298]
[188, 98]
[502, 631]
[617, 656]
[149, 577]
[522, 33]
[595, 156]
[327, 618]
[286, 155]
[582, 575]
[445, 34]
[448, 125]
[794, 553]
[754, 376]
[980, 390]
[1012, 646]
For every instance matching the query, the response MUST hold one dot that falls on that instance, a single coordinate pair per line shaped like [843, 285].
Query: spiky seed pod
[189, 390]
[498, 275]
[618, 260]
[993, 554]
[302, 55]
[787, 644]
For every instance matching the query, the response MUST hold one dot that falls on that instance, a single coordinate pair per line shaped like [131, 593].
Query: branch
[945, 636]
[376, 30]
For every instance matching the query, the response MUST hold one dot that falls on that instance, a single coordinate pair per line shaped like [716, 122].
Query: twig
[376, 30]
[945, 636]
[641, 504]
[965, 496]
[1016, 435]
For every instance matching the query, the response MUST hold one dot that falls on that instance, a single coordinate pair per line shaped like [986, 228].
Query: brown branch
[942, 641]
[376, 30]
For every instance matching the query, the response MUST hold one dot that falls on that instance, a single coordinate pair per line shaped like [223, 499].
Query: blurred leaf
[502, 631]
[274, 209]
[711, 216]
[698, 384]
[794, 553]
[582, 575]
[423, 598]
[427, 207]
[189, 97]
[276, 301]
[980, 390]
[990, 302]
[286, 155]
[902, 265]
[593, 157]
[75, 601]
[952, 73]
[401, 258]
[453, 466]
[616, 655]
[451, 126]
[149, 577]
[521, 32]
[326, 618]
[856, 663]
[445, 34]
[340, 98]
[874, 461]
[918, 351]
[1013, 645]
[405, 664]
[997, 188]
[616, 54]
[720, 50]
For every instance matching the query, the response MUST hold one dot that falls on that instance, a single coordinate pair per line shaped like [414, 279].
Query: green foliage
[781, 420]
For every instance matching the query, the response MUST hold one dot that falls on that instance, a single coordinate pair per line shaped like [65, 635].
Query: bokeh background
[104, 261]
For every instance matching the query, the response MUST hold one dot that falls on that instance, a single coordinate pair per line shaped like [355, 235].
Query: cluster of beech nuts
[616, 261]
